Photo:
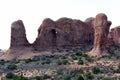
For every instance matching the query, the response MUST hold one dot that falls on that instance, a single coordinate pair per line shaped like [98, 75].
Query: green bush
[63, 57]
[46, 77]
[80, 78]
[11, 66]
[53, 51]
[89, 76]
[80, 62]
[2, 62]
[78, 53]
[28, 60]
[43, 57]
[95, 70]
[48, 62]
[119, 66]
[117, 71]
[72, 55]
[107, 79]
[85, 55]
[9, 75]
[15, 61]
[66, 77]
[89, 59]
[64, 61]
[19, 78]
[74, 58]
[59, 62]
[38, 78]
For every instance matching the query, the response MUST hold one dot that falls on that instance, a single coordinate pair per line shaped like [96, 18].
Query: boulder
[101, 28]
[18, 35]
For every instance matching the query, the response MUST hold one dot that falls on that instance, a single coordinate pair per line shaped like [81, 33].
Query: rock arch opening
[54, 37]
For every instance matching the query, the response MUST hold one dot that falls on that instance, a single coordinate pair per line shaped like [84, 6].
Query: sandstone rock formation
[115, 33]
[101, 28]
[64, 32]
[110, 41]
[46, 35]
[18, 35]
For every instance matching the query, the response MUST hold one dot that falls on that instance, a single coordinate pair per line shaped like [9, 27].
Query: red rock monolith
[101, 28]
[18, 35]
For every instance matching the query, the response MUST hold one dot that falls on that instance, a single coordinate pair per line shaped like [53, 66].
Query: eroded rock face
[64, 32]
[18, 35]
[46, 35]
[101, 28]
[110, 41]
[115, 33]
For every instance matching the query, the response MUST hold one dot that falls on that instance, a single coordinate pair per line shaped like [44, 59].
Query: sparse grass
[62, 61]
[80, 62]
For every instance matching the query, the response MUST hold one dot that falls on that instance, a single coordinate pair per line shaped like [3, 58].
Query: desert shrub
[28, 60]
[15, 61]
[66, 77]
[46, 76]
[118, 70]
[84, 55]
[11, 66]
[107, 79]
[64, 61]
[89, 59]
[78, 53]
[59, 62]
[95, 70]
[74, 58]
[60, 71]
[119, 66]
[38, 77]
[51, 56]
[36, 58]
[48, 61]
[80, 62]
[89, 76]
[60, 50]
[9, 75]
[53, 51]
[79, 77]
[42, 63]
[72, 55]
[75, 73]
[43, 58]
[67, 50]
[19, 78]
[63, 57]
[75, 49]
[2, 62]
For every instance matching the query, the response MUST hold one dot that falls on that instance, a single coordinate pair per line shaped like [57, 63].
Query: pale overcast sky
[32, 12]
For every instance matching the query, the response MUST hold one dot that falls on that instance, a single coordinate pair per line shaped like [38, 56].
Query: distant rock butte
[66, 32]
